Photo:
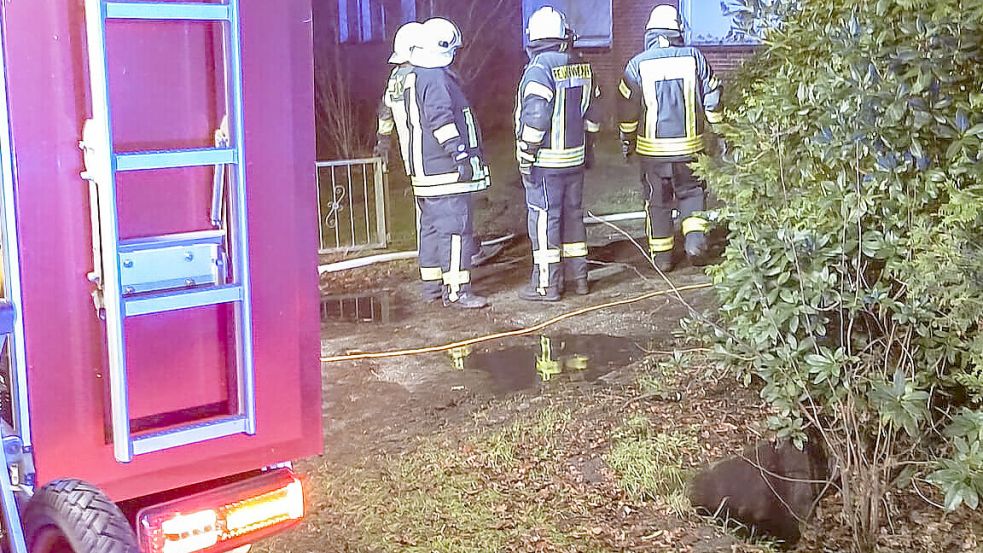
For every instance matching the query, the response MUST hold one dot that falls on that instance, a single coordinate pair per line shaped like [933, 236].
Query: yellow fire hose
[511, 333]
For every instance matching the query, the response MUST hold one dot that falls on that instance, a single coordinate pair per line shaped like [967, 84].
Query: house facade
[611, 31]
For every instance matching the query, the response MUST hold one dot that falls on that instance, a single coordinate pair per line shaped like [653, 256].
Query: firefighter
[441, 146]
[667, 97]
[555, 126]
[393, 117]
[391, 107]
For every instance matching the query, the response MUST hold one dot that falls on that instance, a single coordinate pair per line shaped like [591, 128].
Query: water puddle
[377, 307]
[550, 359]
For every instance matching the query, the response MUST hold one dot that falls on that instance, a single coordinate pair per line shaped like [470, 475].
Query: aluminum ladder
[14, 451]
[158, 274]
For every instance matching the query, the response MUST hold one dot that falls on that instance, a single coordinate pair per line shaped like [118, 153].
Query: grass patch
[494, 492]
[660, 379]
[757, 545]
[550, 423]
[651, 465]
[500, 448]
[536, 440]
[652, 384]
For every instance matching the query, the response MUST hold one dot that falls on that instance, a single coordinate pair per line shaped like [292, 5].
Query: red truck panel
[163, 87]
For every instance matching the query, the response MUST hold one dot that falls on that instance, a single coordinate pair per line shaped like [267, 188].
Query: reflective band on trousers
[695, 224]
[419, 218]
[656, 244]
[575, 249]
[659, 245]
[544, 257]
[431, 273]
[455, 277]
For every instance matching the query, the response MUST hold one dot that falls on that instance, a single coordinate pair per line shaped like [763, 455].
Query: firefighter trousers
[666, 186]
[446, 242]
[554, 198]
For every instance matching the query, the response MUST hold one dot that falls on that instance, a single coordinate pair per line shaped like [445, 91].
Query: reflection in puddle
[371, 308]
[558, 358]
[458, 355]
[546, 366]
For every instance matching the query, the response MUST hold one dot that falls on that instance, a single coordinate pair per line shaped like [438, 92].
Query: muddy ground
[590, 449]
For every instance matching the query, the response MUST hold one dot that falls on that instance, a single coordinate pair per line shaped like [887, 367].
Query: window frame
[686, 12]
[362, 22]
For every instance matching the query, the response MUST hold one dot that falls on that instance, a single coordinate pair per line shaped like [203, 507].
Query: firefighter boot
[580, 287]
[664, 261]
[531, 293]
[431, 291]
[467, 300]
[696, 245]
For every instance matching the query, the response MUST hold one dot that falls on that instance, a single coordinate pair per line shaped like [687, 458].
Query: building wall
[365, 66]
[726, 59]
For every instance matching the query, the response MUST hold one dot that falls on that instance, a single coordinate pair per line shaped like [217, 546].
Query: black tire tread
[90, 521]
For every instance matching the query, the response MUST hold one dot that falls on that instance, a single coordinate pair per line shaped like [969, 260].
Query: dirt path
[380, 404]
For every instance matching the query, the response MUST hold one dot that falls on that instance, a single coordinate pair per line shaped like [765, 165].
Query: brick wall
[630, 17]
[726, 59]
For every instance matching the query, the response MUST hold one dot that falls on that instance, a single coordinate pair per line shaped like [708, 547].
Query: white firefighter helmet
[547, 23]
[407, 37]
[665, 18]
[438, 41]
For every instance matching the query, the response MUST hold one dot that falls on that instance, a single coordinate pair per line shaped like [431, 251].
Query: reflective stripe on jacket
[556, 107]
[667, 97]
[438, 130]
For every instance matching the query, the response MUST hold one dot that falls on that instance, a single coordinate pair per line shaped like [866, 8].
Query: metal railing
[351, 205]
[373, 308]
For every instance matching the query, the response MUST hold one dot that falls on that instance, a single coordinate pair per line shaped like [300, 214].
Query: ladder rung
[188, 434]
[182, 11]
[179, 240]
[185, 299]
[142, 161]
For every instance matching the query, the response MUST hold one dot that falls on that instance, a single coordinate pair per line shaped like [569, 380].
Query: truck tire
[70, 516]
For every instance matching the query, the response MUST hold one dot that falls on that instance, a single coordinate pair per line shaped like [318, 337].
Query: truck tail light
[225, 518]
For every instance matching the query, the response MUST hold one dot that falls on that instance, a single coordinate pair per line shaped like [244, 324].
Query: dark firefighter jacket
[437, 131]
[668, 95]
[556, 107]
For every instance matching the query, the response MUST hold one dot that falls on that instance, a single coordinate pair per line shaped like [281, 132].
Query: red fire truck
[160, 337]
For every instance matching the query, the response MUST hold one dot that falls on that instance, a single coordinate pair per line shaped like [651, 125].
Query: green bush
[852, 284]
